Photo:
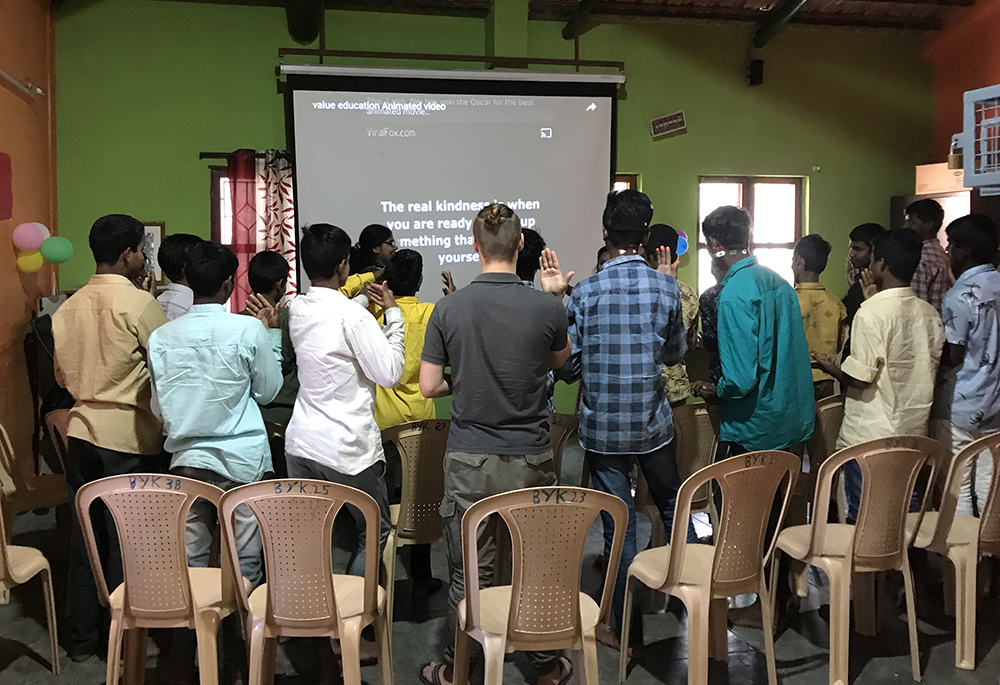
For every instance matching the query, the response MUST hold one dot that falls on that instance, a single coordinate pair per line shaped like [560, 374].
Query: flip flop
[567, 666]
[436, 678]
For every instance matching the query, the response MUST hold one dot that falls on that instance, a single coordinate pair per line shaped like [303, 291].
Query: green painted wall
[144, 85]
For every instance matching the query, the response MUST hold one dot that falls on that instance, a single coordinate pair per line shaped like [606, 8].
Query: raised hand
[553, 280]
[449, 283]
[381, 295]
[868, 287]
[663, 259]
[259, 307]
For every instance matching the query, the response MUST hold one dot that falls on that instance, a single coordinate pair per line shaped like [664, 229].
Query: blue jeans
[610, 473]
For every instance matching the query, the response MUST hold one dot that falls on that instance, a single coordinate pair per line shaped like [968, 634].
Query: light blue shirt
[766, 384]
[971, 315]
[210, 369]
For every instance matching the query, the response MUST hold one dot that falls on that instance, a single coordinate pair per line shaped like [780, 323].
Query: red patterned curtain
[263, 213]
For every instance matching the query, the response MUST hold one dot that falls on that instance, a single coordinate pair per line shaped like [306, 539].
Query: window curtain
[263, 213]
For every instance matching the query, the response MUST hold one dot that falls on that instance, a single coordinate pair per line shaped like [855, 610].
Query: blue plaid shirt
[625, 324]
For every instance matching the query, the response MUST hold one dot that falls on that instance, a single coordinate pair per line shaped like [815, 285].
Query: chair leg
[135, 656]
[589, 673]
[350, 651]
[494, 650]
[50, 613]
[767, 613]
[950, 590]
[865, 616]
[698, 608]
[206, 631]
[718, 612]
[463, 652]
[114, 648]
[258, 649]
[626, 628]
[911, 618]
[389, 561]
[383, 636]
[839, 576]
[966, 593]
[800, 571]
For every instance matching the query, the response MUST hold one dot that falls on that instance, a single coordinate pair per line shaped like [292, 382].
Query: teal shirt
[210, 369]
[766, 385]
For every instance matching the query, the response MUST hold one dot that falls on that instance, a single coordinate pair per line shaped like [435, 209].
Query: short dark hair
[498, 232]
[865, 233]
[626, 217]
[900, 249]
[208, 266]
[729, 226]
[403, 272]
[322, 249]
[527, 258]
[111, 235]
[927, 210]
[173, 253]
[266, 270]
[363, 253]
[977, 232]
[815, 251]
[661, 235]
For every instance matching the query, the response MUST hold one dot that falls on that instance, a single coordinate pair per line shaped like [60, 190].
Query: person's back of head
[814, 251]
[112, 235]
[728, 227]
[267, 273]
[497, 231]
[323, 249]
[530, 254]
[211, 271]
[866, 233]
[929, 215]
[173, 254]
[899, 250]
[661, 235]
[626, 219]
[363, 252]
[976, 235]
[603, 255]
[404, 273]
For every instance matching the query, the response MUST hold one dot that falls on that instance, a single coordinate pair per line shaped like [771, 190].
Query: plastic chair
[416, 520]
[18, 565]
[829, 417]
[543, 608]
[877, 542]
[23, 488]
[160, 589]
[963, 540]
[704, 576]
[57, 422]
[561, 427]
[302, 596]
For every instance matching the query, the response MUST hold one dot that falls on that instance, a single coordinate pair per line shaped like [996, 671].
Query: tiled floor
[419, 633]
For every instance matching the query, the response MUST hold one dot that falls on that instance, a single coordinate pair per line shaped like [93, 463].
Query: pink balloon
[683, 234]
[28, 237]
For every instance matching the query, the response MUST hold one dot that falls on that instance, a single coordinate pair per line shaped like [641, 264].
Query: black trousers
[86, 462]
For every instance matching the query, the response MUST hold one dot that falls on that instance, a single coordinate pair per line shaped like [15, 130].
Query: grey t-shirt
[497, 335]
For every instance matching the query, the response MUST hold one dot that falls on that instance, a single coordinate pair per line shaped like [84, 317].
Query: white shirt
[896, 342]
[176, 300]
[341, 354]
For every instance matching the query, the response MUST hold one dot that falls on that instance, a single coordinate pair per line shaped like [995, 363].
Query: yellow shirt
[355, 283]
[823, 317]
[101, 335]
[678, 385]
[404, 403]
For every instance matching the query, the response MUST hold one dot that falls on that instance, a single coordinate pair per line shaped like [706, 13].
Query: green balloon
[57, 249]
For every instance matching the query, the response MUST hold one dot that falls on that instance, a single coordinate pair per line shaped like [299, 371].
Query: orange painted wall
[966, 56]
[26, 126]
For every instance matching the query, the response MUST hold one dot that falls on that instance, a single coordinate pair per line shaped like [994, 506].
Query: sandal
[437, 674]
[567, 666]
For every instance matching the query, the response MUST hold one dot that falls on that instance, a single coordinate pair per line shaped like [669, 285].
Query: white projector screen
[423, 155]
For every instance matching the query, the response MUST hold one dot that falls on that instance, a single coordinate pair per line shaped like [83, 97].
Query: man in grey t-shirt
[500, 340]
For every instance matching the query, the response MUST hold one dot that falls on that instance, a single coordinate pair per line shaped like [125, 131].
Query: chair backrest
[421, 446]
[561, 426]
[749, 484]
[11, 472]
[150, 512]
[989, 519]
[696, 444]
[889, 468]
[829, 417]
[57, 422]
[548, 529]
[296, 525]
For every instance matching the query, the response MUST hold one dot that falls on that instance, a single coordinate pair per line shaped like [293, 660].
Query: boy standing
[969, 389]
[177, 297]
[895, 351]
[933, 276]
[860, 258]
[101, 336]
[210, 369]
[823, 315]
[500, 340]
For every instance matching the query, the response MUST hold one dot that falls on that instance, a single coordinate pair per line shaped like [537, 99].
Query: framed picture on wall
[155, 230]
